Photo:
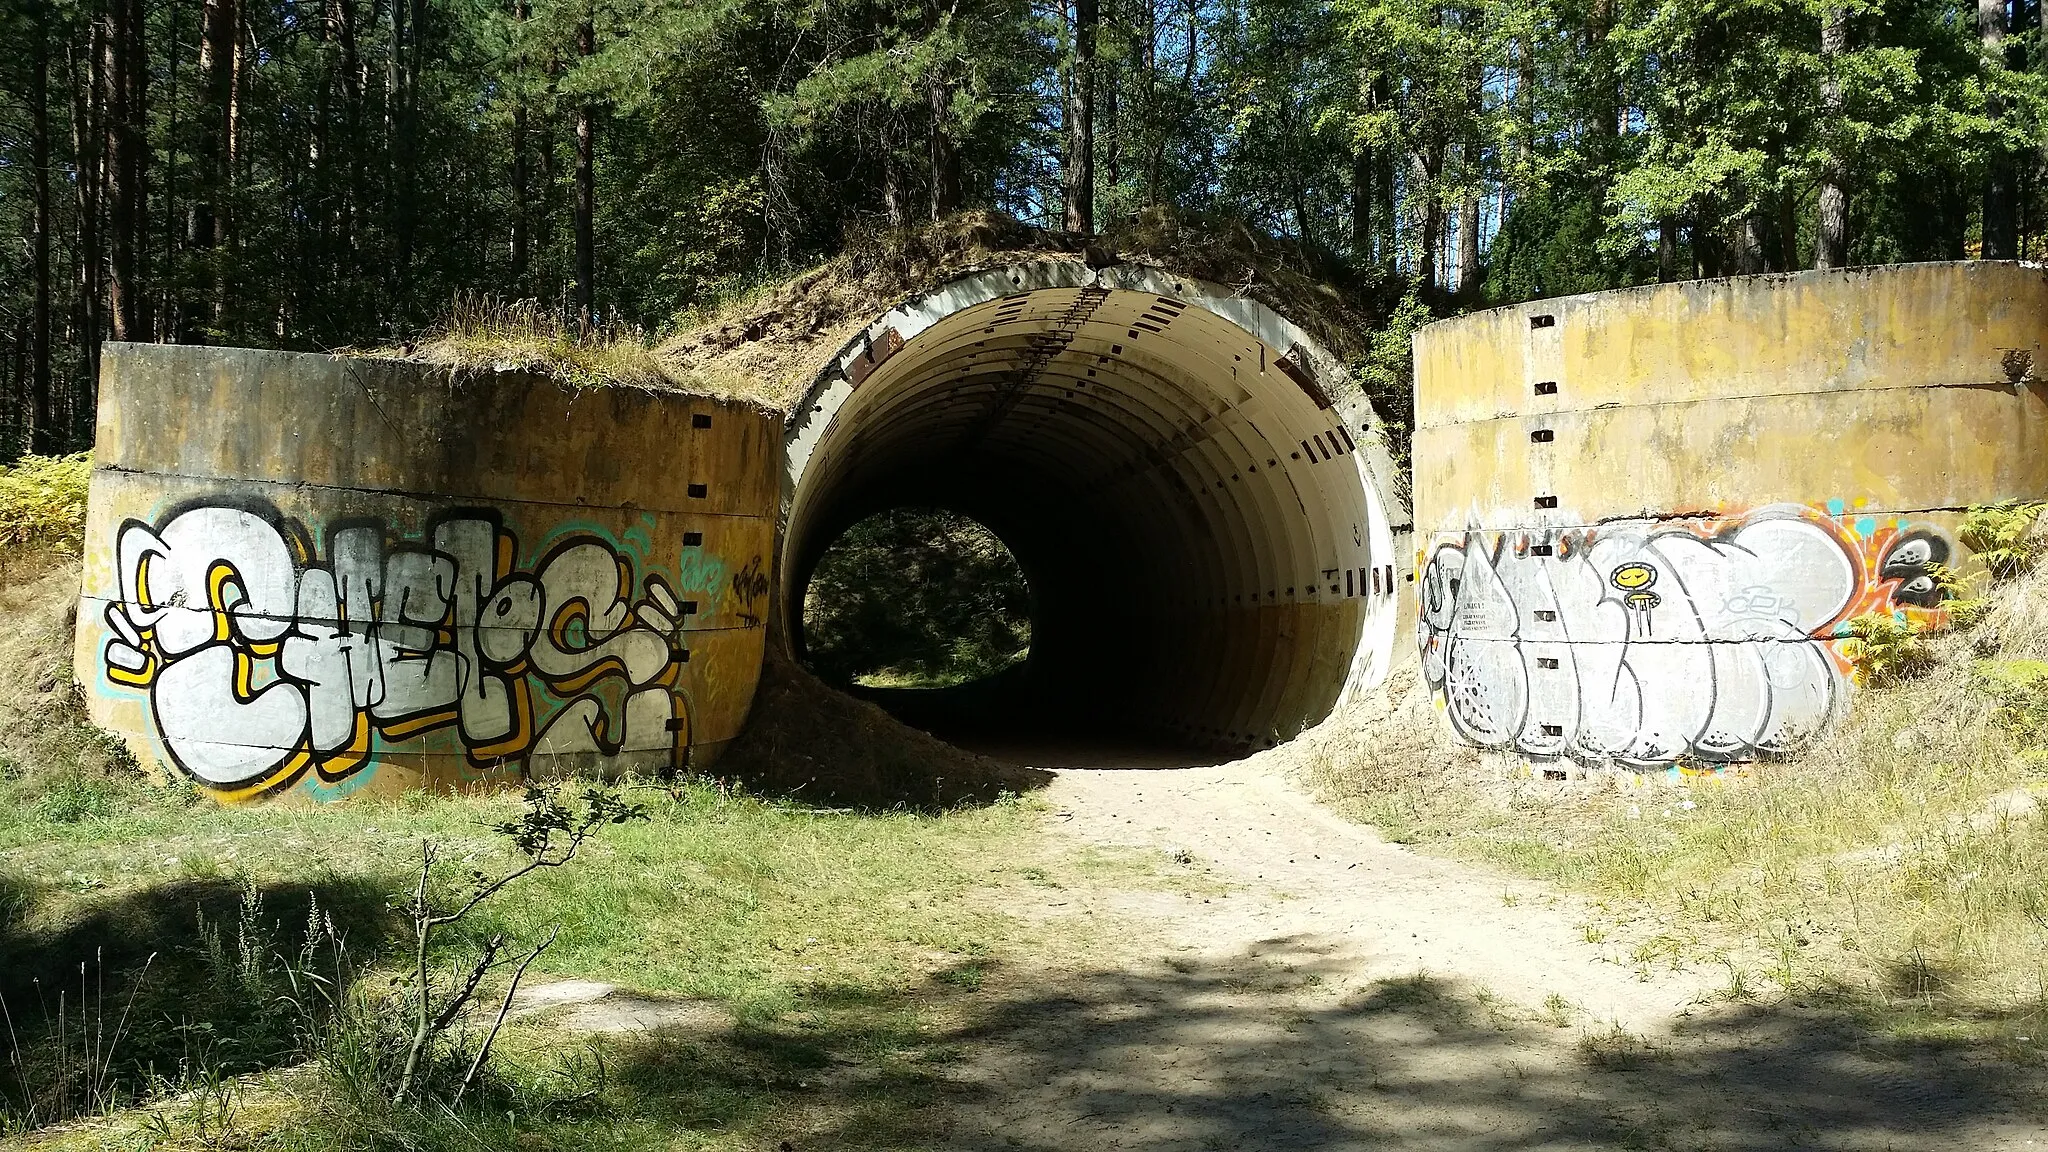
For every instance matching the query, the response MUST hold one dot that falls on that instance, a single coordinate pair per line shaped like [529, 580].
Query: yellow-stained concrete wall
[314, 576]
[1645, 517]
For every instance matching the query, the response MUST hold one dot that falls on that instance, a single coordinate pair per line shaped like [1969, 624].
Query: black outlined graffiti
[1647, 642]
[264, 663]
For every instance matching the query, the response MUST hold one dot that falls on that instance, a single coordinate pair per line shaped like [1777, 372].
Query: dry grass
[783, 335]
[768, 343]
[527, 336]
[1901, 863]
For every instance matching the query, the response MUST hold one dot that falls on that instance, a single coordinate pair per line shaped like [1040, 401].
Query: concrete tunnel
[1197, 496]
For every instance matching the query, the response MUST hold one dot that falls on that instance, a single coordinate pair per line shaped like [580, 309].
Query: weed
[968, 976]
[2002, 537]
[69, 800]
[74, 1073]
[1616, 1049]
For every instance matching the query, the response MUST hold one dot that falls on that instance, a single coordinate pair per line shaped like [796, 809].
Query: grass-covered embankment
[1897, 868]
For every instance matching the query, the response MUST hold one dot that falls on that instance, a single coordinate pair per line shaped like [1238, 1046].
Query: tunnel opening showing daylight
[1191, 499]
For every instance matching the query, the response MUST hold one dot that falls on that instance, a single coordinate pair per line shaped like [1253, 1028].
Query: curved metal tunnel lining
[1199, 569]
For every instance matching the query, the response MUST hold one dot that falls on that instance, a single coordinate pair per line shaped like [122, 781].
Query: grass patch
[526, 335]
[832, 940]
[1898, 869]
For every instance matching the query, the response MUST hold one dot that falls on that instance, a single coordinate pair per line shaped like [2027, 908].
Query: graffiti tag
[264, 663]
[1646, 641]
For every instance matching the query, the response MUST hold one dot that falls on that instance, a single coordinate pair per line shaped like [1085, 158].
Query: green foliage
[1964, 609]
[42, 502]
[1550, 245]
[2019, 690]
[2002, 536]
[1886, 649]
[916, 597]
[1388, 375]
[71, 799]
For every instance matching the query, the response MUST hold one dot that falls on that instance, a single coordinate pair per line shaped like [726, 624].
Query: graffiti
[264, 663]
[749, 585]
[1647, 642]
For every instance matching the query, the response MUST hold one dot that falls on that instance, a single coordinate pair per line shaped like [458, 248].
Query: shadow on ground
[1270, 1050]
[130, 990]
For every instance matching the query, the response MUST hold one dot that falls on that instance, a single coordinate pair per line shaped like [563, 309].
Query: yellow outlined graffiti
[264, 663]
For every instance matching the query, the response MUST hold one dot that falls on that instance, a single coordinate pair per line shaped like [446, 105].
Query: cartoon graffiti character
[1635, 580]
[1912, 561]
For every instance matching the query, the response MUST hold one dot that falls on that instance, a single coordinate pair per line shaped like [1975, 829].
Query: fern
[1884, 649]
[2002, 536]
[42, 502]
[1964, 610]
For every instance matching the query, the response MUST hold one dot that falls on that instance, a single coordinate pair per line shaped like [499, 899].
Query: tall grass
[487, 331]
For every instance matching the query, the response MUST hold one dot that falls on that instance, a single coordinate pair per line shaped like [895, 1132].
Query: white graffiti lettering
[262, 664]
[1647, 642]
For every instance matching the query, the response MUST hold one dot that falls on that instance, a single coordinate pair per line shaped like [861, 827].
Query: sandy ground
[1324, 989]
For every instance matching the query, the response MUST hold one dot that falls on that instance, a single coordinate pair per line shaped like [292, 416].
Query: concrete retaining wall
[315, 576]
[1645, 517]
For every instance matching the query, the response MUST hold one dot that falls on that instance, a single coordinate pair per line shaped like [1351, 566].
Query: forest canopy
[312, 174]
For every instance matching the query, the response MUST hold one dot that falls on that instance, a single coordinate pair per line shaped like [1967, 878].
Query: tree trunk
[1363, 169]
[1113, 138]
[217, 33]
[86, 114]
[586, 189]
[398, 151]
[42, 427]
[1079, 170]
[1788, 233]
[170, 280]
[1606, 102]
[1667, 250]
[1831, 232]
[126, 207]
[2001, 223]
[1387, 215]
[1468, 229]
[945, 156]
[1425, 166]
[522, 242]
[1751, 243]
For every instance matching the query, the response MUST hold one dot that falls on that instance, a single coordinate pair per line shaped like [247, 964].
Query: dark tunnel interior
[1204, 551]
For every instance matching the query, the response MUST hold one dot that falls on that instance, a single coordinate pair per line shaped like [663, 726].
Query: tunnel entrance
[1194, 491]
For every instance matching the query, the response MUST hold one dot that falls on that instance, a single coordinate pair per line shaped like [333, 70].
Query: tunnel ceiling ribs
[1041, 348]
[1208, 551]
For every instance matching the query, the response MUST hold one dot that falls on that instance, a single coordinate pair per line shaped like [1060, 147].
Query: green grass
[835, 942]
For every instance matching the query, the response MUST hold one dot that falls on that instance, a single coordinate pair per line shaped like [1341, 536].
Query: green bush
[42, 502]
[916, 596]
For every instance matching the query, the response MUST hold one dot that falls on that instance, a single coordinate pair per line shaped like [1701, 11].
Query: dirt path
[1324, 989]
